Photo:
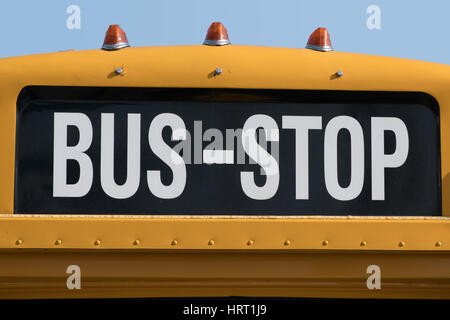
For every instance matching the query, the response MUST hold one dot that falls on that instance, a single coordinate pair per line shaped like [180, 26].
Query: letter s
[168, 155]
[261, 156]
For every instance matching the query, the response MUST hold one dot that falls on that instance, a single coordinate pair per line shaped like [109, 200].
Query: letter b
[62, 152]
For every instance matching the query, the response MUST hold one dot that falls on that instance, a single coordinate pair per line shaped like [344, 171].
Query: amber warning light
[320, 40]
[217, 35]
[115, 38]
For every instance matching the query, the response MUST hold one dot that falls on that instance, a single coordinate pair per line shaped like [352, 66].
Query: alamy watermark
[74, 280]
[374, 280]
[73, 21]
[374, 19]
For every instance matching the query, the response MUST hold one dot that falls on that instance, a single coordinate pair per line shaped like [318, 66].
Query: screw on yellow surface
[174, 242]
[363, 243]
[211, 242]
[250, 242]
[438, 244]
[19, 242]
[401, 244]
[119, 71]
[325, 242]
[136, 242]
[97, 242]
[58, 242]
[287, 243]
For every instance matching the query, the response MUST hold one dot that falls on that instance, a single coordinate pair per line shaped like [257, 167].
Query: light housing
[217, 35]
[320, 40]
[115, 38]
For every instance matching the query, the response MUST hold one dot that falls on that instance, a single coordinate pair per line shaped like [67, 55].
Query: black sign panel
[226, 152]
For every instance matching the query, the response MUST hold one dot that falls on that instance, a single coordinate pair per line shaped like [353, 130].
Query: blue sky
[415, 29]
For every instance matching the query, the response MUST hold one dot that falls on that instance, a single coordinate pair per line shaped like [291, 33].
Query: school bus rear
[358, 187]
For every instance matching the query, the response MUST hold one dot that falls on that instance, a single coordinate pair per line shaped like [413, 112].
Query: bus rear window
[150, 151]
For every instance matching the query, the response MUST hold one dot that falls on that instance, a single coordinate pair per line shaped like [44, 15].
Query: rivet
[136, 242]
[250, 242]
[118, 71]
[218, 71]
[58, 242]
[438, 244]
[174, 242]
[19, 242]
[339, 73]
[401, 244]
[325, 242]
[363, 243]
[287, 243]
[97, 242]
[211, 242]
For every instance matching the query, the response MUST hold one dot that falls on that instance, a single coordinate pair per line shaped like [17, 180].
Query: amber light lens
[217, 35]
[115, 38]
[320, 40]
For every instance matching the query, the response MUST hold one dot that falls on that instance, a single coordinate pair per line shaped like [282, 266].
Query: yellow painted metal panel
[196, 233]
[181, 273]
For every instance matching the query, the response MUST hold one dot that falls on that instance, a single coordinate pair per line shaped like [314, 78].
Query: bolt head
[218, 71]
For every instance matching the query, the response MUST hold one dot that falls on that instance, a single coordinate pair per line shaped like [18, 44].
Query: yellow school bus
[112, 166]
